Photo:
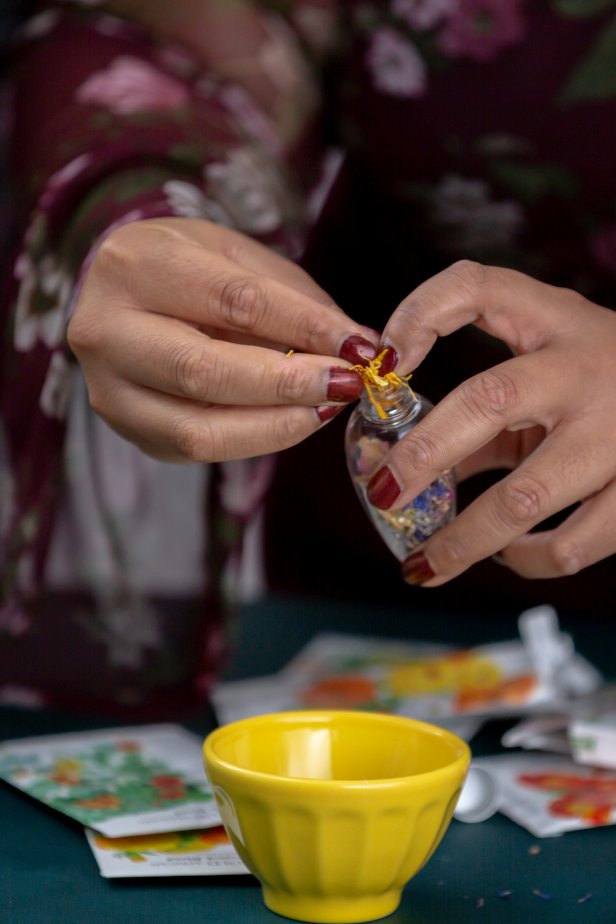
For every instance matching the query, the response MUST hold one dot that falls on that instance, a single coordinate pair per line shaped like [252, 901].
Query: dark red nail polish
[416, 569]
[357, 350]
[343, 385]
[325, 412]
[389, 361]
[383, 489]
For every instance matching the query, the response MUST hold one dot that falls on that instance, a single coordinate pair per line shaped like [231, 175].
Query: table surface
[48, 874]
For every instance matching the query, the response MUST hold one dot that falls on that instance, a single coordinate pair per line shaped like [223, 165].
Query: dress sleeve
[113, 124]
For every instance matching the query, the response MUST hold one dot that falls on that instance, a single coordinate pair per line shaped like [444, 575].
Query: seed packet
[546, 732]
[592, 730]
[121, 781]
[205, 852]
[454, 687]
[549, 794]
[429, 682]
[583, 727]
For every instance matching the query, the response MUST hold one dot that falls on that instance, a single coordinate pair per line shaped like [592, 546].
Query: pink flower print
[396, 66]
[58, 181]
[14, 621]
[478, 29]
[130, 85]
[603, 249]
[39, 25]
[24, 697]
[253, 120]
[316, 24]
[468, 221]
[422, 14]
[176, 60]
[113, 26]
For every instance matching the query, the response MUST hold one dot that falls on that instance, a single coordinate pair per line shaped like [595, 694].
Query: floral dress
[504, 126]
[471, 128]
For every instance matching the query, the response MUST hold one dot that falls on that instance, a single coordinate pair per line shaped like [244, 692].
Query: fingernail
[383, 488]
[343, 385]
[416, 569]
[325, 412]
[357, 350]
[390, 360]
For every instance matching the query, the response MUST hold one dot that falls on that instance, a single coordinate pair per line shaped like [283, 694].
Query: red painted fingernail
[325, 412]
[416, 569]
[343, 385]
[357, 350]
[389, 361]
[383, 489]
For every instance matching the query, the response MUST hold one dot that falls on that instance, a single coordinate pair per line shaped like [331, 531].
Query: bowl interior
[343, 746]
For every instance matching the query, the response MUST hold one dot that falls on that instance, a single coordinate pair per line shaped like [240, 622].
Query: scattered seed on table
[534, 850]
[544, 895]
[504, 893]
[584, 898]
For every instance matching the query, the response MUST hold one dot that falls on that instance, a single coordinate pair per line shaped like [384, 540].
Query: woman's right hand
[182, 329]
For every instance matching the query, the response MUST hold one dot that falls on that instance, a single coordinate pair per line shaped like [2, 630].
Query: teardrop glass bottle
[383, 416]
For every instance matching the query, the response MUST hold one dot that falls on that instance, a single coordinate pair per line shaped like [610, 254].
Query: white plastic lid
[480, 796]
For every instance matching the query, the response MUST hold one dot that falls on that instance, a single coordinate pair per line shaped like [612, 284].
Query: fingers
[178, 277]
[552, 405]
[516, 308]
[469, 418]
[168, 356]
[587, 536]
[563, 469]
[142, 330]
[507, 450]
[175, 430]
[253, 256]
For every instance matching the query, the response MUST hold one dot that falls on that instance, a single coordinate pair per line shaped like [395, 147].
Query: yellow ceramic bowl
[333, 811]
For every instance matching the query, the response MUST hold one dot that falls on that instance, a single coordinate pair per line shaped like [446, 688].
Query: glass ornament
[386, 412]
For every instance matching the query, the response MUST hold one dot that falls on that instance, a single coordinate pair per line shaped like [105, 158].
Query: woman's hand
[182, 329]
[548, 413]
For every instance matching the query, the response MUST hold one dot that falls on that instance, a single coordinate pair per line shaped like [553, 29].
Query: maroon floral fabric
[491, 124]
[487, 126]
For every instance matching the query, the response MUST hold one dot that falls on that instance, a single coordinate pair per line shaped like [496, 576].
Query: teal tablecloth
[48, 875]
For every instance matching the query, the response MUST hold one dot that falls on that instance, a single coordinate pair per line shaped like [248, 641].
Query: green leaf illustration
[582, 8]
[595, 78]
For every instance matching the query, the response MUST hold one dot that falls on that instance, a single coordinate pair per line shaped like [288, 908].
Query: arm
[115, 135]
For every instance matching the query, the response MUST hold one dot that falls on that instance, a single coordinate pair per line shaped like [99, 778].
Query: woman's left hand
[548, 414]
